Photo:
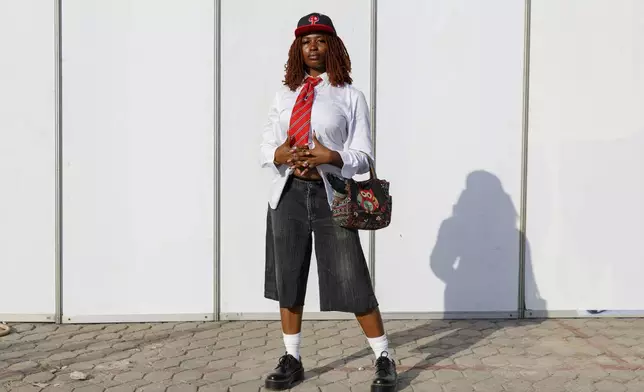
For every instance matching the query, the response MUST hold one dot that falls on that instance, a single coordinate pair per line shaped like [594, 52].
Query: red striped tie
[300, 126]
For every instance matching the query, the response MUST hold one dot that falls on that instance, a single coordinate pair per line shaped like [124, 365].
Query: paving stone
[182, 388]
[247, 375]
[41, 377]
[532, 355]
[58, 388]
[251, 386]
[128, 387]
[166, 363]
[609, 386]
[335, 388]
[218, 375]
[158, 376]
[153, 388]
[580, 385]
[25, 388]
[429, 386]
[458, 386]
[187, 375]
[637, 385]
[551, 384]
[90, 388]
[493, 384]
[22, 366]
[305, 388]
[128, 376]
[210, 388]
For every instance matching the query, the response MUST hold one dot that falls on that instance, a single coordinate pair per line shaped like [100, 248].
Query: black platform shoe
[386, 376]
[287, 373]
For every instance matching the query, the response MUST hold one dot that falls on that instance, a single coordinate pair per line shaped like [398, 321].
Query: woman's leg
[371, 324]
[374, 330]
[288, 258]
[292, 329]
[345, 286]
[291, 319]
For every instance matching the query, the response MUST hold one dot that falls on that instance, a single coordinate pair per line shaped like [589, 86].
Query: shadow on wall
[477, 250]
[477, 256]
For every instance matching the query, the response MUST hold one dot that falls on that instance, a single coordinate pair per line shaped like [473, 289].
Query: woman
[318, 124]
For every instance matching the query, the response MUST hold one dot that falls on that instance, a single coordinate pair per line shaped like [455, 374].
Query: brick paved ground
[554, 355]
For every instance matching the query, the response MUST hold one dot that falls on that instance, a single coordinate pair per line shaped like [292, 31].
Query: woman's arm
[358, 147]
[270, 143]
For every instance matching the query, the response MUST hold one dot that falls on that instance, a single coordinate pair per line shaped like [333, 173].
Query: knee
[367, 312]
[298, 310]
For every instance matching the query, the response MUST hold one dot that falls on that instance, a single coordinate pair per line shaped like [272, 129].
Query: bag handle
[372, 168]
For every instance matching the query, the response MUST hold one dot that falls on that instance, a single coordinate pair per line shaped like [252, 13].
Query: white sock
[379, 346]
[292, 344]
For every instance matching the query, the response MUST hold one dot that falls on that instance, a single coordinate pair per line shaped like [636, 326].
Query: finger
[301, 154]
[298, 164]
[302, 149]
[295, 149]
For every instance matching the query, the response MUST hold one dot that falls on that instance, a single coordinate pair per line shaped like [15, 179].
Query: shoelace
[284, 361]
[382, 365]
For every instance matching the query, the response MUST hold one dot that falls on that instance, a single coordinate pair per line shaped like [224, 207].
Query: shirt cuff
[354, 162]
[269, 159]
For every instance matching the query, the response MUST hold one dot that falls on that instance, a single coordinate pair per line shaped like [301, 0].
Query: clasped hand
[303, 159]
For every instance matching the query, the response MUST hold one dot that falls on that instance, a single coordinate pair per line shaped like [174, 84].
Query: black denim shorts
[304, 215]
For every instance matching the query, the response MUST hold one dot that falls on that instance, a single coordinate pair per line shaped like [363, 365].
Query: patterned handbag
[361, 205]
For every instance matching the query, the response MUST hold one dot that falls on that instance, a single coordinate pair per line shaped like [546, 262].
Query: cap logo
[314, 19]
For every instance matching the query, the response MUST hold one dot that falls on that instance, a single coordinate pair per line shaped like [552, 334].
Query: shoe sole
[282, 385]
[384, 387]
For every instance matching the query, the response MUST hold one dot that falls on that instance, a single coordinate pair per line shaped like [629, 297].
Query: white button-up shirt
[340, 119]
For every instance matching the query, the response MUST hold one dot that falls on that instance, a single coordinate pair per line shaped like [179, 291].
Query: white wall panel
[27, 160]
[586, 167]
[138, 159]
[256, 36]
[449, 140]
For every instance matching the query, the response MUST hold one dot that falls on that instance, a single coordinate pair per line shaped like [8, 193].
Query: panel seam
[524, 161]
[217, 164]
[373, 63]
[58, 164]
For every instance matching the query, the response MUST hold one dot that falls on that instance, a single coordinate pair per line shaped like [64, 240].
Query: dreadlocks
[338, 64]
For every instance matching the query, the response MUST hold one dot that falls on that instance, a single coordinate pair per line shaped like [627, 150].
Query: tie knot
[312, 81]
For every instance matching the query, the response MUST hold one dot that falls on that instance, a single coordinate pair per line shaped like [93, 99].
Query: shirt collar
[324, 77]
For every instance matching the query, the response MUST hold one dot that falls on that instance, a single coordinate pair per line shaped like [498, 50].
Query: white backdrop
[138, 155]
[586, 169]
[255, 48]
[138, 140]
[27, 160]
[449, 140]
